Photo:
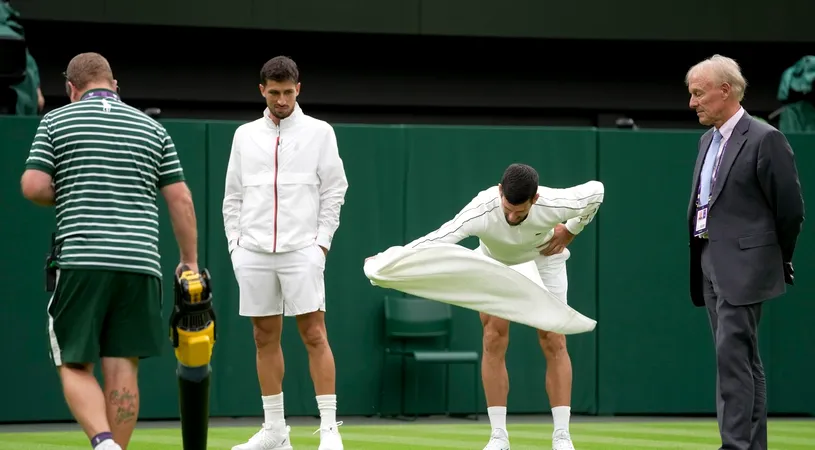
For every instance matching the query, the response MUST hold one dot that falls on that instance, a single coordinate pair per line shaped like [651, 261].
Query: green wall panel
[790, 389]
[157, 377]
[26, 231]
[372, 219]
[655, 348]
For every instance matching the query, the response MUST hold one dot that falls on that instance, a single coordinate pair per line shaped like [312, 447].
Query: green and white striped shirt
[108, 161]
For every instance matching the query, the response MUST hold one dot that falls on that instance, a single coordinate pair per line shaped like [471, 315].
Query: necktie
[707, 168]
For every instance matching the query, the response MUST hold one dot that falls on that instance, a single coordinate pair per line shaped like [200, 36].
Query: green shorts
[102, 313]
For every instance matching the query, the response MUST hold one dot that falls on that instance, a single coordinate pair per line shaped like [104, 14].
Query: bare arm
[38, 187]
[40, 100]
[182, 216]
[179, 203]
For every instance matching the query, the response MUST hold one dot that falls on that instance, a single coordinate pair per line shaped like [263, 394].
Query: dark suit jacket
[754, 218]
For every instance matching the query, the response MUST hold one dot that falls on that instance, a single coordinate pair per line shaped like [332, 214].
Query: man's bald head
[89, 71]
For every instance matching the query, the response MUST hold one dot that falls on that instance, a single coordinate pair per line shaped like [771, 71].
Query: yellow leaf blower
[192, 332]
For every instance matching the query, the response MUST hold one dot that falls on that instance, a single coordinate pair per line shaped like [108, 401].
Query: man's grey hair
[721, 69]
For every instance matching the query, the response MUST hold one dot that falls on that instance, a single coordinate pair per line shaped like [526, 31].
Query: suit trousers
[741, 388]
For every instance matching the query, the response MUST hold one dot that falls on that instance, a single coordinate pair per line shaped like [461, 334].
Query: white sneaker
[330, 438]
[268, 438]
[499, 440]
[109, 445]
[561, 440]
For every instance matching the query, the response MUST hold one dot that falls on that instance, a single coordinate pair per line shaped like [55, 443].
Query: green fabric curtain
[27, 89]
[795, 92]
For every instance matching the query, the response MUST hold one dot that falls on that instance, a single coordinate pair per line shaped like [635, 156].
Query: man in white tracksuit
[285, 185]
[520, 224]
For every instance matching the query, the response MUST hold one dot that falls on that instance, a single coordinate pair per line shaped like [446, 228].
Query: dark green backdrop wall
[652, 350]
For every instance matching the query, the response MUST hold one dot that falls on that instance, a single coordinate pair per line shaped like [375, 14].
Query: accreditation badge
[701, 221]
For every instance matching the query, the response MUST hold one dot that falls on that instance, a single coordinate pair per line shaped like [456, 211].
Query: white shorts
[548, 272]
[288, 283]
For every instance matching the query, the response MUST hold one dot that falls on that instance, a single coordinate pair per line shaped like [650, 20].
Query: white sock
[273, 410]
[108, 445]
[498, 417]
[327, 405]
[560, 416]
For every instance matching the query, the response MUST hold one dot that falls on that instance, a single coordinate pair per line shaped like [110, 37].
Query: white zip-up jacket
[285, 184]
[484, 218]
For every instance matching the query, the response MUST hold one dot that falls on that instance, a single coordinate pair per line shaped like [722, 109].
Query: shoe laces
[499, 434]
[561, 435]
[498, 439]
[563, 444]
[334, 428]
[267, 428]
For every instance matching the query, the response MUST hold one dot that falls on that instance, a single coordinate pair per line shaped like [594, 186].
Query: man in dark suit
[744, 218]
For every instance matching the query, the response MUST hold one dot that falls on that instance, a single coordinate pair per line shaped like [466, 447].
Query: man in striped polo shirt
[101, 163]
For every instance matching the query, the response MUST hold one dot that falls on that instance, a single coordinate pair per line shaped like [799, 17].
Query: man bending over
[519, 222]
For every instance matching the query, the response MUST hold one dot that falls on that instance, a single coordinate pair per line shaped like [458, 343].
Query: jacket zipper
[276, 157]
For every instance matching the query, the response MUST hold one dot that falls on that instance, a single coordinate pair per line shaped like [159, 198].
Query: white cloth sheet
[456, 275]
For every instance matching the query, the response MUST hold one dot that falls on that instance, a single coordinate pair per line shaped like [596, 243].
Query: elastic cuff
[324, 240]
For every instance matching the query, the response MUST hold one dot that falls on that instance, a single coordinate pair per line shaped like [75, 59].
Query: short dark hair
[280, 68]
[519, 184]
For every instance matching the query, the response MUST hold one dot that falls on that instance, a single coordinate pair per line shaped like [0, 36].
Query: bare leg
[558, 384]
[493, 362]
[84, 398]
[323, 374]
[270, 364]
[558, 368]
[122, 392]
[320, 358]
[270, 368]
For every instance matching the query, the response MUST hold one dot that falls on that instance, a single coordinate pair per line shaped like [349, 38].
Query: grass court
[594, 434]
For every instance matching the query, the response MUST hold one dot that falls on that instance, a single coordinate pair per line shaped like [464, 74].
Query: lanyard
[102, 94]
